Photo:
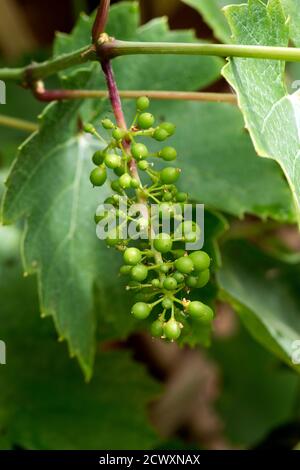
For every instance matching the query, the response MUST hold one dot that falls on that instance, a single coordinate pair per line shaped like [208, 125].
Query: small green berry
[164, 268]
[143, 165]
[172, 329]
[134, 183]
[125, 181]
[107, 124]
[167, 303]
[125, 269]
[98, 157]
[168, 154]
[169, 127]
[115, 186]
[139, 273]
[191, 281]
[169, 175]
[167, 197]
[155, 283]
[132, 256]
[201, 260]
[179, 277]
[89, 128]
[145, 120]
[157, 329]
[139, 151]
[170, 283]
[142, 103]
[181, 197]
[119, 134]
[160, 134]
[112, 161]
[203, 279]
[200, 312]
[184, 265]
[163, 243]
[141, 310]
[98, 176]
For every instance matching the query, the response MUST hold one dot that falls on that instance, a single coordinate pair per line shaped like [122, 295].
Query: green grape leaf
[257, 397]
[49, 185]
[167, 72]
[292, 11]
[264, 292]
[44, 403]
[261, 90]
[211, 10]
[219, 160]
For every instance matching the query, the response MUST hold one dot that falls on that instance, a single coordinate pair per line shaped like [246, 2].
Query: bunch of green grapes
[162, 272]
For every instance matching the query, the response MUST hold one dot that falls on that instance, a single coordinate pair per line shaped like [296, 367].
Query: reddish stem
[101, 20]
[118, 111]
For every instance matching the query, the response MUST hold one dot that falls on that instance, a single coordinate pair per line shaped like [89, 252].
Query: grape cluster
[162, 272]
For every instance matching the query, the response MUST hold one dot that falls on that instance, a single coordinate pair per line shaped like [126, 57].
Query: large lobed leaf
[271, 114]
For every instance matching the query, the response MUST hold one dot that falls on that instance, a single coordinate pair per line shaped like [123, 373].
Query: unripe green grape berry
[132, 256]
[178, 253]
[168, 154]
[142, 103]
[157, 329]
[145, 120]
[89, 128]
[170, 283]
[155, 283]
[184, 265]
[191, 281]
[112, 161]
[167, 303]
[107, 124]
[203, 279]
[141, 310]
[125, 181]
[200, 312]
[181, 197]
[179, 277]
[163, 243]
[169, 127]
[134, 183]
[98, 176]
[189, 230]
[160, 134]
[201, 260]
[98, 157]
[115, 186]
[110, 200]
[139, 273]
[139, 151]
[167, 197]
[120, 170]
[125, 269]
[164, 268]
[143, 165]
[172, 329]
[169, 175]
[119, 134]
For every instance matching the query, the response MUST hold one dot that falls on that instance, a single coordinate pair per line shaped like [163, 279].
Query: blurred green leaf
[211, 10]
[265, 294]
[257, 393]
